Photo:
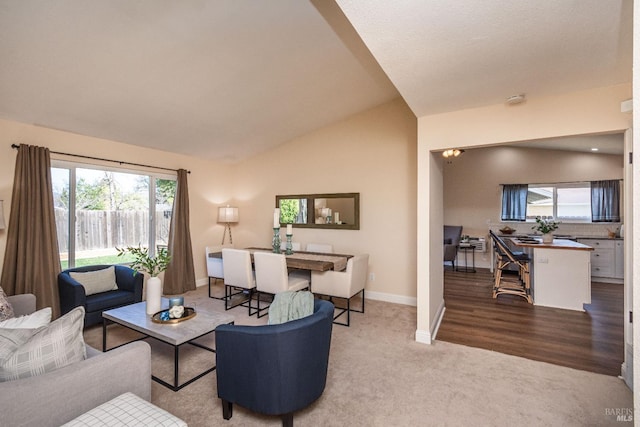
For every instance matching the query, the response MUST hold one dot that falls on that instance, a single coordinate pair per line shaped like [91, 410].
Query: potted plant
[546, 226]
[143, 262]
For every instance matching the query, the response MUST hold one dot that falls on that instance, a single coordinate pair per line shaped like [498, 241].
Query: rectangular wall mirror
[337, 211]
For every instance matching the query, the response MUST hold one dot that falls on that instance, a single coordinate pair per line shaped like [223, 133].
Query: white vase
[547, 238]
[154, 295]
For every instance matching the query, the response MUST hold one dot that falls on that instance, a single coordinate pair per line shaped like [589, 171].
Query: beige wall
[372, 153]
[209, 184]
[577, 113]
[472, 191]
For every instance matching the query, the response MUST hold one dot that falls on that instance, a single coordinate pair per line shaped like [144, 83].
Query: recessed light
[516, 99]
[594, 149]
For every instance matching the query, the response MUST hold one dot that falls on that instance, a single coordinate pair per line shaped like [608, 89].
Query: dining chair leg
[348, 311]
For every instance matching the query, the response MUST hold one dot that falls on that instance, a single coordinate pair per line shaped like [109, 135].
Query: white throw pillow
[97, 281]
[26, 353]
[34, 320]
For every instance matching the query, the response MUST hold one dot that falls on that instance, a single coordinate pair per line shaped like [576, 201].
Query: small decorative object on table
[143, 262]
[275, 243]
[289, 249]
[176, 301]
[546, 226]
[507, 230]
[175, 314]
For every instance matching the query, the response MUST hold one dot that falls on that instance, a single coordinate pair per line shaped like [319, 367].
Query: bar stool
[506, 258]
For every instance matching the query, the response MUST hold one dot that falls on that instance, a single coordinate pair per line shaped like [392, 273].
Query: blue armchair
[72, 293]
[274, 369]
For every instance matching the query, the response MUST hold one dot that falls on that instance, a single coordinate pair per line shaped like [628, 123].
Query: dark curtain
[605, 201]
[514, 202]
[31, 261]
[180, 275]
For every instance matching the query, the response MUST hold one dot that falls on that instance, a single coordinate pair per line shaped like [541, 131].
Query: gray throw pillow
[26, 353]
[95, 282]
[6, 310]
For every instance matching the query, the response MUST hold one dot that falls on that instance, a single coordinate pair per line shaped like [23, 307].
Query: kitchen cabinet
[607, 259]
[561, 272]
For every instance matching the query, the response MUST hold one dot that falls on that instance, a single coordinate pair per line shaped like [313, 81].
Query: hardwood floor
[591, 340]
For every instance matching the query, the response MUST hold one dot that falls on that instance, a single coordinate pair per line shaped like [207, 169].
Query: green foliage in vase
[545, 225]
[142, 261]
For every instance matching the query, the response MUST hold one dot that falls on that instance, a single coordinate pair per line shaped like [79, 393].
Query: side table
[466, 248]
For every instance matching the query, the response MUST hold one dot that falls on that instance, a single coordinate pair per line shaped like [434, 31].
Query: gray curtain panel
[180, 275]
[605, 201]
[514, 202]
[31, 261]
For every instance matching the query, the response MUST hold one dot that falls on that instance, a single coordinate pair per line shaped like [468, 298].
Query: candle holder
[174, 301]
[275, 243]
[289, 246]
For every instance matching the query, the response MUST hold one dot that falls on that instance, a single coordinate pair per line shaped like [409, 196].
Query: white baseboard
[378, 296]
[423, 337]
[439, 315]
[427, 337]
[396, 299]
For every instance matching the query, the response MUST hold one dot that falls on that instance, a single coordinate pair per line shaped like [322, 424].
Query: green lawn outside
[101, 260]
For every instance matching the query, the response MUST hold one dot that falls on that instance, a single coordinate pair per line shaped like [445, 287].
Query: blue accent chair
[72, 293]
[274, 369]
[452, 235]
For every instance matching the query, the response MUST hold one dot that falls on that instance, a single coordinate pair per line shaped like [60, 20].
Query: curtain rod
[16, 146]
[562, 182]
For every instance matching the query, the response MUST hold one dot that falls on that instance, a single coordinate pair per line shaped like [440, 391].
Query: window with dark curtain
[605, 201]
[514, 202]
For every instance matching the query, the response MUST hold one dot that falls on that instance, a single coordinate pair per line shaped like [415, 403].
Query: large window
[98, 209]
[568, 202]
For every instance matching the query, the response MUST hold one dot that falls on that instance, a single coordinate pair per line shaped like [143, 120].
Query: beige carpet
[379, 376]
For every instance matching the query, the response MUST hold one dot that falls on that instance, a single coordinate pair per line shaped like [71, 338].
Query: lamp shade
[227, 214]
[2, 225]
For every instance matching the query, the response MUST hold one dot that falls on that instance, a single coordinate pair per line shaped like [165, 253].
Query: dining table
[303, 260]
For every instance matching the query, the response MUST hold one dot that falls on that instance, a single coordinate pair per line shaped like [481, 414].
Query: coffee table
[135, 317]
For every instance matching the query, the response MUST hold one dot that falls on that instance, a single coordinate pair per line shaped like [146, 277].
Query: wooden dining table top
[303, 260]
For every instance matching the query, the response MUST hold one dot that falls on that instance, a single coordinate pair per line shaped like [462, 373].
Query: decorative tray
[189, 312]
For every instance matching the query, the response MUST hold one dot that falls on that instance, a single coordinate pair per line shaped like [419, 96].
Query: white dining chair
[295, 246]
[343, 284]
[215, 269]
[239, 277]
[272, 277]
[320, 247]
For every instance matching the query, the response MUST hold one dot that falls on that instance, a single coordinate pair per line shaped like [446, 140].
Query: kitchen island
[561, 272]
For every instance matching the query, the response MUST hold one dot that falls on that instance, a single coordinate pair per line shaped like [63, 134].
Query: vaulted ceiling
[226, 79]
